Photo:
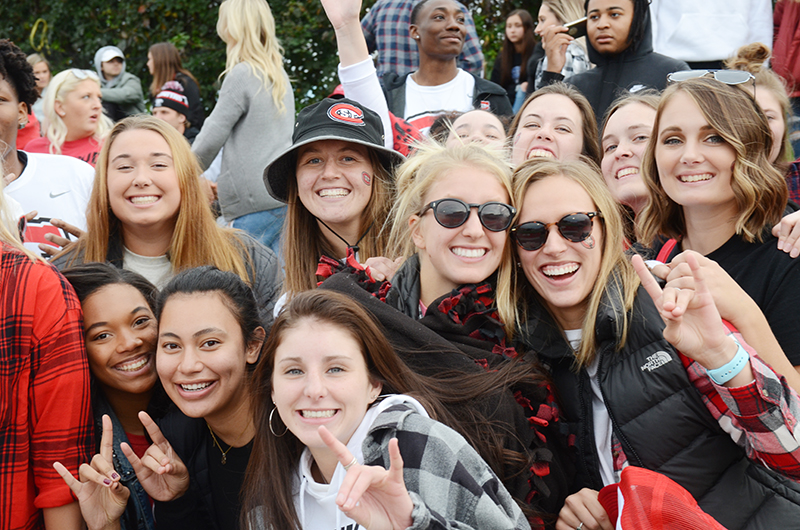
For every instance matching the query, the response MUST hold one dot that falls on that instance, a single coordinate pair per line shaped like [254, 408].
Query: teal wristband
[728, 371]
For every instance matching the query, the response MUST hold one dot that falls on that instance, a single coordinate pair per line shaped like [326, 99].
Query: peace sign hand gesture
[374, 497]
[101, 497]
[161, 472]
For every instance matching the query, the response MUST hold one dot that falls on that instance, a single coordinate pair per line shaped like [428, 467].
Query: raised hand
[555, 41]
[58, 242]
[161, 472]
[381, 268]
[374, 497]
[101, 497]
[693, 324]
[340, 12]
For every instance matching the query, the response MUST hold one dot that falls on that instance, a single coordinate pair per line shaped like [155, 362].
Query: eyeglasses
[575, 227]
[452, 213]
[729, 77]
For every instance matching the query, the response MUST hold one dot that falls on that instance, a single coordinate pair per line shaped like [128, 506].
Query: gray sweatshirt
[253, 131]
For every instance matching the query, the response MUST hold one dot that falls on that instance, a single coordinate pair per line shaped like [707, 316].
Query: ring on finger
[351, 464]
[580, 526]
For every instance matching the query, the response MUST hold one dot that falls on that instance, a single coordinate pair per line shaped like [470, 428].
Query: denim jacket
[138, 514]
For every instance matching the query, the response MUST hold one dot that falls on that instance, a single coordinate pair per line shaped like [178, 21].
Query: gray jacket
[450, 485]
[246, 122]
[123, 93]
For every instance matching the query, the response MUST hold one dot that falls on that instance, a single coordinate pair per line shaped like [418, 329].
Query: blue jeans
[265, 226]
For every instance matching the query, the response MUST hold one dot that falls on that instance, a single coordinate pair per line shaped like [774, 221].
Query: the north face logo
[346, 113]
[657, 360]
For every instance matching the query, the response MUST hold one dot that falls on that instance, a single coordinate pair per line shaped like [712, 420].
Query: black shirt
[226, 482]
[772, 279]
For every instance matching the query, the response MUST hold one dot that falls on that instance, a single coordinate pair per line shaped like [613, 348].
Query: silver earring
[270, 424]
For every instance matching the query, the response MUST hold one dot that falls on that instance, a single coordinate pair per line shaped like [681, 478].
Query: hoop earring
[272, 412]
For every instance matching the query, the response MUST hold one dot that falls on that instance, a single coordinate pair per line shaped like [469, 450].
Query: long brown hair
[196, 238]
[759, 189]
[507, 53]
[268, 486]
[304, 241]
[166, 64]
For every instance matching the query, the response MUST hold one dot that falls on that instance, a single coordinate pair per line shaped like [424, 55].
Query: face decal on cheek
[367, 179]
[588, 242]
[516, 137]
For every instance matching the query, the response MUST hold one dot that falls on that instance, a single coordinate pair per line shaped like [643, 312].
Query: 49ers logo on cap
[346, 113]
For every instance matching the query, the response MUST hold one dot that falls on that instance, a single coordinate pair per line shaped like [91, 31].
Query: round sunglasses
[575, 227]
[452, 213]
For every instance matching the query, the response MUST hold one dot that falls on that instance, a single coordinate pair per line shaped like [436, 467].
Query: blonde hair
[415, 177]
[759, 188]
[248, 28]
[196, 239]
[60, 86]
[308, 242]
[752, 58]
[616, 279]
[566, 10]
[34, 59]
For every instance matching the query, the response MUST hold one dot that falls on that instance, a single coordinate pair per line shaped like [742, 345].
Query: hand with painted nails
[374, 497]
[101, 496]
[161, 472]
[788, 233]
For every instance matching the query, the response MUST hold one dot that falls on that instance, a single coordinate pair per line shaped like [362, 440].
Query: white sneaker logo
[657, 360]
[58, 194]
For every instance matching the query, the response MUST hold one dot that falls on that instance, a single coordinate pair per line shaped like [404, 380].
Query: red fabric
[653, 502]
[29, 132]
[138, 443]
[45, 414]
[786, 47]
[86, 149]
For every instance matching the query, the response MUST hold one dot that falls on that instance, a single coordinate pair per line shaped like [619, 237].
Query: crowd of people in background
[543, 293]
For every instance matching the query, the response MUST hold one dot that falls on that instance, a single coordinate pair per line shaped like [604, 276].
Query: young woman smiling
[74, 115]
[121, 344]
[147, 213]
[628, 395]
[715, 192]
[209, 340]
[554, 122]
[357, 457]
[336, 179]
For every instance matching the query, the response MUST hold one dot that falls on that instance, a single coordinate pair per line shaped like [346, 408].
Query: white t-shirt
[56, 186]
[426, 103]
[600, 417]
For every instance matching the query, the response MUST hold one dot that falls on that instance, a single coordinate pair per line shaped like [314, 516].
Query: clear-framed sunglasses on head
[729, 77]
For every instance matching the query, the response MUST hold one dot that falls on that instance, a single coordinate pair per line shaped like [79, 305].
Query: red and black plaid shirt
[45, 413]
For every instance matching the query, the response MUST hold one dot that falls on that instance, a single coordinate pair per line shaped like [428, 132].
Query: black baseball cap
[330, 119]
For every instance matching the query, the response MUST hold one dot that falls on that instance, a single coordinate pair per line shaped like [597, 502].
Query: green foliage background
[75, 29]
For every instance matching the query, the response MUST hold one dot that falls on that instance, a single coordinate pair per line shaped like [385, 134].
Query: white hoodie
[316, 503]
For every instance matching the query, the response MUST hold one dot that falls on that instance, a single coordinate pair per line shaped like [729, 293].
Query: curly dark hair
[15, 69]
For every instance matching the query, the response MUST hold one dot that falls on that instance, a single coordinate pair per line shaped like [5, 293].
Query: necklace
[225, 452]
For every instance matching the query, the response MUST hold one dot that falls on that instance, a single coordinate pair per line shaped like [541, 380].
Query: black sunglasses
[575, 227]
[452, 213]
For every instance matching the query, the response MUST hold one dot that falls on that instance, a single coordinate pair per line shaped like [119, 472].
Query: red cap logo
[346, 113]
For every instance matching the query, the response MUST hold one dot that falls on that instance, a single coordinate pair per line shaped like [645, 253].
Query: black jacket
[659, 418]
[486, 94]
[636, 68]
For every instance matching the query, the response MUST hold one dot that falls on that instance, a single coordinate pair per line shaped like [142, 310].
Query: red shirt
[45, 414]
[86, 149]
[29, 132]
